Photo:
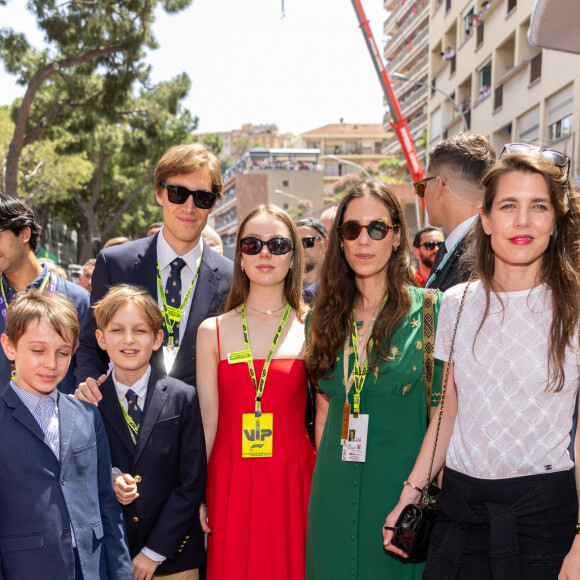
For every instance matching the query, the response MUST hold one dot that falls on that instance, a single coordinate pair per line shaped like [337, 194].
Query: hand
[125, 489]
[571, 565]
[408, 496]
[144, 567]
[90, 391]
[203, 519]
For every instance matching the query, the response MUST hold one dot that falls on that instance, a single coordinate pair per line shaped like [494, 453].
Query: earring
[342, 246]
[395, 248]
[242, 267]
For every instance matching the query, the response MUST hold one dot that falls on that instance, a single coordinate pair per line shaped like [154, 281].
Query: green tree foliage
[214, 142]
[93, 55]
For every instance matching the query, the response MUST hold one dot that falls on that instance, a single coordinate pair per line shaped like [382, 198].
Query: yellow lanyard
[260, 387]
[357, 376]
[172, 315]
[129, 420]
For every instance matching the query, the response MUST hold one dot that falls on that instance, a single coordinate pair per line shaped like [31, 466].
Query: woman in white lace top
[509, 501]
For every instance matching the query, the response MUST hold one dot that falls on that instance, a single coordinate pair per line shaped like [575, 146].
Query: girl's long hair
[293, 282]
[560, 265]
[337, 292]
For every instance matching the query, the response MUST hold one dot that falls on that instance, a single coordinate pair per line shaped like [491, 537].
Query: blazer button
[62, 481]
[137, 479]
[187, 537]
[66, 532]
[135, 518]
[179, 551]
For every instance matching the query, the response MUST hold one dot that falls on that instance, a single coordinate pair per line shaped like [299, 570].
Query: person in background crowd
[50, 264]
[327, 217]
[426, 243]
[453, 192]
[19, 233]
[153, 229]
[314, 240]
[365, 344]
[212, 239]
[508, 507]
[116, 242]
[193, 279]
[87, 274]
[62, 272]
[253, 407]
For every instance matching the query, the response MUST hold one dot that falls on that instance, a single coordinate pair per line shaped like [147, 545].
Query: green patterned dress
[350, 501]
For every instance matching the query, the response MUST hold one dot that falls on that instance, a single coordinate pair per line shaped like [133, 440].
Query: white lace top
[507, 424]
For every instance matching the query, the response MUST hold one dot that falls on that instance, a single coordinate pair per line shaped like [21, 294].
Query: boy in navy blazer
[59, 517]
[156, 439]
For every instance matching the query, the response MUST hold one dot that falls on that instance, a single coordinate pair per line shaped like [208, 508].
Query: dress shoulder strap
[217, 328]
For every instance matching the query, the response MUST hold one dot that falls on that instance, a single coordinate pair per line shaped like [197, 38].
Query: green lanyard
[129, 420]
[260, 387]
[359, 376]
[172, 315]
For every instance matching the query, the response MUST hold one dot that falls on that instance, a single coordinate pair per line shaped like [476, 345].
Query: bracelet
[578, 528]
[420, 490]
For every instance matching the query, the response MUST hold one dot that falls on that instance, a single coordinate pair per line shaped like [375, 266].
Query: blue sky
[248, 65]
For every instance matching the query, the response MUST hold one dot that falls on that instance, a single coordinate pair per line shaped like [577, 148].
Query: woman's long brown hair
[293, 282]
[331, 319]
[560, 265]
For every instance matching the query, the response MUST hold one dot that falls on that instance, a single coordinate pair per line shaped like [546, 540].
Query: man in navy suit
[19, 233]
[59, 515]
[187, 184]
[453, 194]
[156, 438]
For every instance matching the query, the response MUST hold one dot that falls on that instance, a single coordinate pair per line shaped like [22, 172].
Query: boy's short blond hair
[121, 295]
[51, 307]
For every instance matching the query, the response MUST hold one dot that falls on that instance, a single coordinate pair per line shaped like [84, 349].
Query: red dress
[257, 507]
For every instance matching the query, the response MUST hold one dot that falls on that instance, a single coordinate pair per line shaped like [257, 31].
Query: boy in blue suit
[156, 439]
[59, 517]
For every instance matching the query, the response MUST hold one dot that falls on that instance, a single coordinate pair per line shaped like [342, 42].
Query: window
[484, 81]
[498, 97]
[560, 128]
[436, 124]
[511, 5]
[536, 68]
[447, 5]
[479, 37]
[468, 22]
[285, 183]
[529, 126]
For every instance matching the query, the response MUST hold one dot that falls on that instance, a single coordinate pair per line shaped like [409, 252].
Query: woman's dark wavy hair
[292, 284]
[560, 265]
[331, 318]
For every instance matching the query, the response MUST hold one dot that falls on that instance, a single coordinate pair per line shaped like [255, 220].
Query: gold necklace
[268, 312]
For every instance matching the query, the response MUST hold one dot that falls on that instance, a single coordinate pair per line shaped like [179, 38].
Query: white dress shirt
[459, 232]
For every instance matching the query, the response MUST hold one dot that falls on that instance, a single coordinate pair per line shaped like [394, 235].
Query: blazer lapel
[202, 300]
[154, 403]
[66, 418]
[21, 413]
[111, 410]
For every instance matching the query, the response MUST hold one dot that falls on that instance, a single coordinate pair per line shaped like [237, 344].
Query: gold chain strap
[424, 500]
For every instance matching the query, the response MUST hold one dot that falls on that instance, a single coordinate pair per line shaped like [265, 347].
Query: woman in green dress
[367, 304]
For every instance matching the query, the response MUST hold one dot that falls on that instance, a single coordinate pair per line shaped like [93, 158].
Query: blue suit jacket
[40, 497]
[80, 298]
[170, 459]
[136, 263]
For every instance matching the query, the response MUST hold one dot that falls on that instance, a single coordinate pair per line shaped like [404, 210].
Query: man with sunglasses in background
[453, 194]
[426, 243]
[314, 240]
[187, 278]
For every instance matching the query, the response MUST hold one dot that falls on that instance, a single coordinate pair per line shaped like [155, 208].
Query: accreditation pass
[355, 446]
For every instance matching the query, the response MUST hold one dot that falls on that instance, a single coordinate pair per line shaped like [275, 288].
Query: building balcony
[405, 57]
[411, 21]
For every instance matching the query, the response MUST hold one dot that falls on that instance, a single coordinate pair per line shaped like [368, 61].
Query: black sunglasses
[178, 194]
[309, 242]
[430, 246]
[376, 230]
[421, 185]
[554, 157]
[277, 246]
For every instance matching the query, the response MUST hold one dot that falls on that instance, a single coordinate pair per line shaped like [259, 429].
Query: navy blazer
[80, 298]
[170, 460]
[40, 497]
[136, 263]
[455, 270]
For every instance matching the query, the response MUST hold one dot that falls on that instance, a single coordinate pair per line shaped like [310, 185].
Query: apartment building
[406, 52]
[497, 83]
[289, 178]
[238, 141]
[344, 147]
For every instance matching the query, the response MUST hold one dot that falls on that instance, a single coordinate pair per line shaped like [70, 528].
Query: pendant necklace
[268, 312]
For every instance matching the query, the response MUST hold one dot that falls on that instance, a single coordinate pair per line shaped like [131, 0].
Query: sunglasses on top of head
[556, 158]
[277, 246]
[178, 194]
[376, 230]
